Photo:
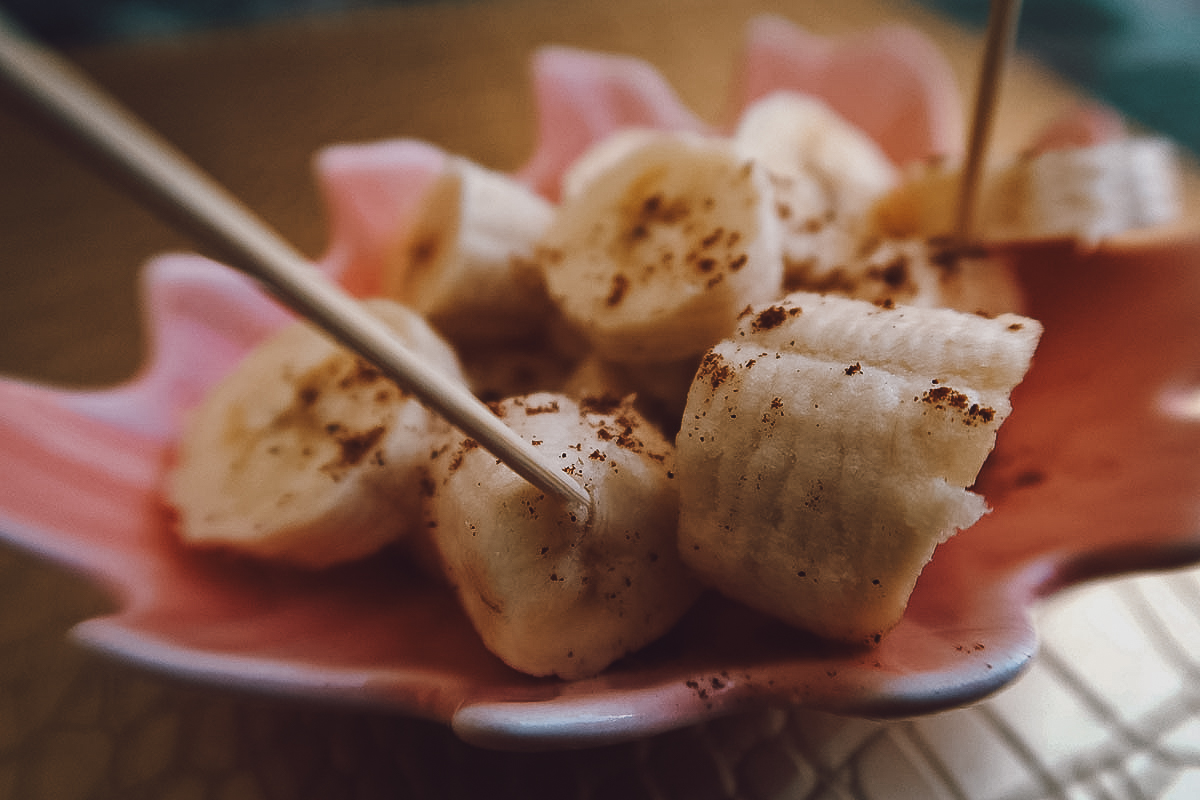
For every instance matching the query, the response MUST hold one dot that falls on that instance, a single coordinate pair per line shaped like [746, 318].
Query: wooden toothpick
[110, 137]
[1001, 33]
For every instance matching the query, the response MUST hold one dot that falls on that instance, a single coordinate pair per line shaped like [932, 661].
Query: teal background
[1141, 56]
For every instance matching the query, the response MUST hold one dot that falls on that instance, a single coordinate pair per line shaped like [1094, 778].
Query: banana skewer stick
[188, 198]
[1001, 32]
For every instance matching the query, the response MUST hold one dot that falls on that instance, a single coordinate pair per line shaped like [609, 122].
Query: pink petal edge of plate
[81, 485]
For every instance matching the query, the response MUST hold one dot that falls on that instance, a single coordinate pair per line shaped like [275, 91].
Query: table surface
[1108, 709]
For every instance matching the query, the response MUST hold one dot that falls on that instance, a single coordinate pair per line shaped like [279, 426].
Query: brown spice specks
[617, 290]
[895, 274]
[363, 373]
[464, 447]
[549, 407]
[945, 398]
[714, 368]
[353, 447]
[713, 238]
[772, 317]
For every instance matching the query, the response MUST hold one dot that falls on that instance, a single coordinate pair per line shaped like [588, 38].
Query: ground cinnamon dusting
[466, 446]
[944, 397]
[714, 368]
[352, 448]
[550, 407]
[772, 317]
[617, 291]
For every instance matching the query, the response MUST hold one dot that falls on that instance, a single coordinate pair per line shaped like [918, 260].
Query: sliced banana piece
[826, 449]
[306, 453]
[826, 174]
[468, 262]
[989, 353]
[1091, 193]
[654, 261]
[1085, 193]
[549, 593]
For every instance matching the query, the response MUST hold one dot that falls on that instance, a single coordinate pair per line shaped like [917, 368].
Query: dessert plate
[1096, 473]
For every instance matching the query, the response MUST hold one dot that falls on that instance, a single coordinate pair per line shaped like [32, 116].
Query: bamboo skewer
[1001, 34]
[113, 139]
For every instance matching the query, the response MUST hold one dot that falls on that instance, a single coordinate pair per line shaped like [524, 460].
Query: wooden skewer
[115, 140]
[1001, 33]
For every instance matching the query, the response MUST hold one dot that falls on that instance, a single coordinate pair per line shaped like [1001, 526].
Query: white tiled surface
[1110, 710]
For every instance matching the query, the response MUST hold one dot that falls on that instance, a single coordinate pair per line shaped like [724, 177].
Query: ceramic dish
[1096, 473]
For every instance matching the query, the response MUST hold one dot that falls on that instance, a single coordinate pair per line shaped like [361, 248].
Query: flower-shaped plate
[1096, 473]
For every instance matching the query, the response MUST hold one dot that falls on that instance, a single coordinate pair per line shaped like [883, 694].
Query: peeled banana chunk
[826, 175]
[655, 258]
[1085, 193]
[550, 593]
[936, 342]
[827, 448]
[307, 454]
[468, 263]
[1091, 193]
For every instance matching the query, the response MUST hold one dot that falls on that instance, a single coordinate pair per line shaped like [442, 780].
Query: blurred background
[1142, 56]
[1114, 715]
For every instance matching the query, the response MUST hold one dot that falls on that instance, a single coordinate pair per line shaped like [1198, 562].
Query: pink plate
[1096, 473]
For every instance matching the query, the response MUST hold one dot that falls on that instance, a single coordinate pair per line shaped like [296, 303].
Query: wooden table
[251, 106]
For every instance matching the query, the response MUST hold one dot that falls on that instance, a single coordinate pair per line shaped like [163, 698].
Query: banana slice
[826, 449]
[468, 262]
[551, 594]
[654, 261]
[826, 173]
[1091, 193]
[306, 453]
[1084, 193]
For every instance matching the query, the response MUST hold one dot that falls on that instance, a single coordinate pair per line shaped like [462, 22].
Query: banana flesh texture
[670, 241]
[550, 593]
[1085, 193]
[307, 454]
[826, 449]
[468, 264]
[825, 172]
